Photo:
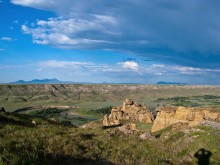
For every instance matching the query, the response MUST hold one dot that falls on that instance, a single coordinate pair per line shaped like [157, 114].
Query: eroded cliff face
[185, 117]
[128, 111]
[101, 92]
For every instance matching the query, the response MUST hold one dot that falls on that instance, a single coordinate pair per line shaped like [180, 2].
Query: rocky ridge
[178, 117]
[184, 117]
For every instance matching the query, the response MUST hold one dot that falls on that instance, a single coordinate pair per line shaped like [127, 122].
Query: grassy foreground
[21, 142]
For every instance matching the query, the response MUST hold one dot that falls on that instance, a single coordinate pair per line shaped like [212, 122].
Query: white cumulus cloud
[131, 65]
[6, 39]
[34, 3]
[69, 33]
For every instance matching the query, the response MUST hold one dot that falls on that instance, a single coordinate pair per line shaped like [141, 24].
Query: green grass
[61, 116]
[190, 101]
[88, 97]
[60, 143]
[93, 113]
[48, 143]
[144, 127]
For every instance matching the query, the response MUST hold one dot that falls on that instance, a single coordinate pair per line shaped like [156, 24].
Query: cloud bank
[174, 31]
[127, 66]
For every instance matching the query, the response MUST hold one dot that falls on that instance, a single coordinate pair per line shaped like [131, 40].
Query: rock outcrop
[183, 117]
[128, 128]
[128, 111]
[108, 121]
[146, 136]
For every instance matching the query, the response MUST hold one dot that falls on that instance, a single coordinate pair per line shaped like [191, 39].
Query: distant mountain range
[171, 83]
[56, 81]
[42, 81]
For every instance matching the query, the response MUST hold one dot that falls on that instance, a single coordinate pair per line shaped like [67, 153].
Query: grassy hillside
[21, 142]
[55, 139]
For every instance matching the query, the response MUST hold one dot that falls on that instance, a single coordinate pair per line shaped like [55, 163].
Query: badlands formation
[184, 117]
[176, 117]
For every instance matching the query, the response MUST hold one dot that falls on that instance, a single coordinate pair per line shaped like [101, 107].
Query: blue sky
[135, 41]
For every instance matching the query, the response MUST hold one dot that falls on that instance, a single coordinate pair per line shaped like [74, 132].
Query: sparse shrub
[1, 161]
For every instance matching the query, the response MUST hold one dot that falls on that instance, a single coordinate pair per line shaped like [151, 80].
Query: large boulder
[129, 111]
[185, 116]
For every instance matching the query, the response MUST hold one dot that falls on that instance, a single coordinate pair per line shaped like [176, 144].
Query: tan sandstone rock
[128, 111]
[180, 126]
[107, 121]
[182, 117]
[218, 117]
